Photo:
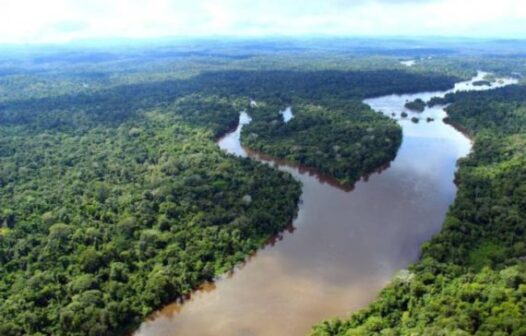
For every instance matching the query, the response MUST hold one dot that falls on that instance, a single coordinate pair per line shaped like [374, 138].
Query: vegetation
[482, 83]
[417, 105]
[104, 217]
[344, 142]
[114, 198]
[332, 130]
[471, 279]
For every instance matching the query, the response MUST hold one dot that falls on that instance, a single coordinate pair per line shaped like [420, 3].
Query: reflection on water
[345, 246]
[232, 140]
[287, 114]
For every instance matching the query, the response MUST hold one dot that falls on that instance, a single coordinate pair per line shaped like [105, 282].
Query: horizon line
[232, 37]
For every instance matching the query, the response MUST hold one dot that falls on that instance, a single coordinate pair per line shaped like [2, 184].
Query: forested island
[482, 83]
[343, 141]
[417, 105]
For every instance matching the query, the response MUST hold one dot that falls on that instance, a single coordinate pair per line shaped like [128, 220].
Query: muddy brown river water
[345, 246]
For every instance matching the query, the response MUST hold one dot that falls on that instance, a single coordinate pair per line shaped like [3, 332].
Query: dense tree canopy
[101, 227]
[471, 279]
[417, 105]
[114, 198]
[345, 140]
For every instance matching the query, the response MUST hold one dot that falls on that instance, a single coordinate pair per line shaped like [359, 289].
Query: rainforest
[125, 210]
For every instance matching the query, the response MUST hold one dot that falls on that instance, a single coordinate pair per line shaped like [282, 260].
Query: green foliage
[486, 303]
[417, 105]
[101, 225]
[114, 198]
[486, 254]
[345, 140]
[482, 83]
[471, 279]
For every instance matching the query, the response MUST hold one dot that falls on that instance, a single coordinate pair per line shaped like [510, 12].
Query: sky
[56, 21]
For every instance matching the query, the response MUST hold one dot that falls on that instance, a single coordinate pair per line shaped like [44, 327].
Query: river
[345, 245]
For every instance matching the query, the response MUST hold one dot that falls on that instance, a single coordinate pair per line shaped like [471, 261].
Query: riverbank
[346, 246]
[471, 277]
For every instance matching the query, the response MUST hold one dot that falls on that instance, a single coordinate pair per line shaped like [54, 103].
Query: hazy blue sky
[23, 21]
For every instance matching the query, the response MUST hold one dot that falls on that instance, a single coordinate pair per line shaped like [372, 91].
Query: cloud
[32, 21]
[69, 26]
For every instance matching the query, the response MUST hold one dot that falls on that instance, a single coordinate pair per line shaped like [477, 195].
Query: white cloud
[32, 21]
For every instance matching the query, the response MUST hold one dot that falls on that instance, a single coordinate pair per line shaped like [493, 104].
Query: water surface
[346, 245]
[287, 114]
